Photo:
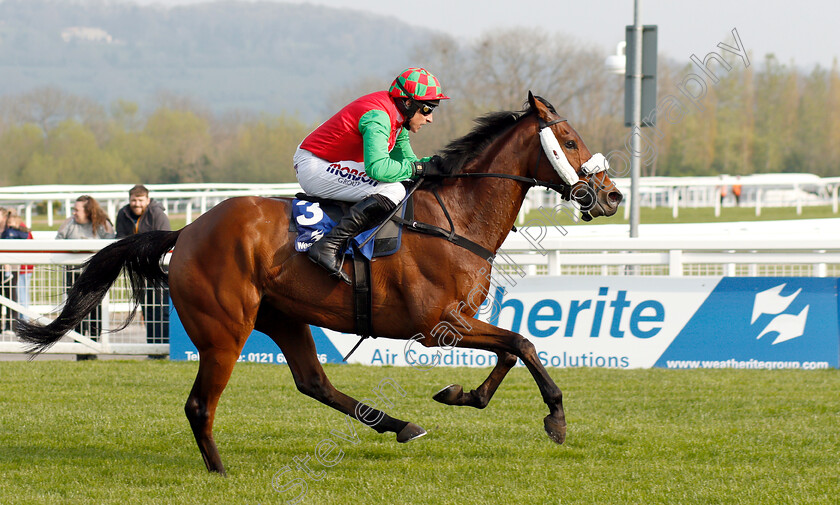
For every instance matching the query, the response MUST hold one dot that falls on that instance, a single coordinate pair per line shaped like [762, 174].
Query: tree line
[767, 117]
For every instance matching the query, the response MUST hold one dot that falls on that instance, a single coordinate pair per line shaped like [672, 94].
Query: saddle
[386, 242]
[306, 222]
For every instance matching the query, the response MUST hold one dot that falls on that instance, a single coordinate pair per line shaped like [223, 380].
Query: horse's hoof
[449, 394]
[556, 428]
[409, 433]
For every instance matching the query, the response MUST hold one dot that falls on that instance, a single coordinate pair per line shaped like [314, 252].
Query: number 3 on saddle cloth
[313, 217]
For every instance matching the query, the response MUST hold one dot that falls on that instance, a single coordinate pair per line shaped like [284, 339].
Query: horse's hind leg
[218, 346]
[479, 397]
[295, 340]
[214, 369]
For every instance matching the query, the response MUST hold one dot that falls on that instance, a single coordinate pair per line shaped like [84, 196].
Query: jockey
[362, 154]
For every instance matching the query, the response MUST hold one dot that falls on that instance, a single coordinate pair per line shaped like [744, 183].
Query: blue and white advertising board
[621, 322]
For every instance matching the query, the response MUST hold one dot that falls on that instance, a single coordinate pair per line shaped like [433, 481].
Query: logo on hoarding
[761, 323]
[609, 313]
[786, 326]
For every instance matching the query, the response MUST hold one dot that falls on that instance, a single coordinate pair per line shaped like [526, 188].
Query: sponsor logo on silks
[350, 174]
[791, 321]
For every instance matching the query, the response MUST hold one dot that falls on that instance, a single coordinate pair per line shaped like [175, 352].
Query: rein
[564, 189]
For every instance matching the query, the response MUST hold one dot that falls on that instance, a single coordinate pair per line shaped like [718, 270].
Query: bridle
[564, 189]
[551, 149]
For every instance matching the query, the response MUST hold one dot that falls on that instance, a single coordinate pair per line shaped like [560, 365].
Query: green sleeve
[375, 127]
[402, 149]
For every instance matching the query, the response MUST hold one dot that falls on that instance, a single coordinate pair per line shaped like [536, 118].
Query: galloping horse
[235, 269]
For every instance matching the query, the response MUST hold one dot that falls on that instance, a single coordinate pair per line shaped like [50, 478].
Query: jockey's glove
[430, 168]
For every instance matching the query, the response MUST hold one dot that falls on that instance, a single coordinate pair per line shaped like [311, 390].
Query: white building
[87, 34]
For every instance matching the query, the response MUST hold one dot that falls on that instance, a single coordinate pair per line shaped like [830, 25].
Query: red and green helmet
[417, 84]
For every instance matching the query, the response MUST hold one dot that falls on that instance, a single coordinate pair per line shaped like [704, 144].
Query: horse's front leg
[295, 340]
[480, 335]
[479, 398]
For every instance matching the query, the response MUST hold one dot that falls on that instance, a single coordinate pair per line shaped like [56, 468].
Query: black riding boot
[328, 251]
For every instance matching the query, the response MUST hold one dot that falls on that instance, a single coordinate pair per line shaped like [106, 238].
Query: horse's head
[571, 164]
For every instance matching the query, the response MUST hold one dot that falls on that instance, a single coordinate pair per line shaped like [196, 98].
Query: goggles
[425, 108]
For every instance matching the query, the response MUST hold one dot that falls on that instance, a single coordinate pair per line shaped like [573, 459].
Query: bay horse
[235, 269]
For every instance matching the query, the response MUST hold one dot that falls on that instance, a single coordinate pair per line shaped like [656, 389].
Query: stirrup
[340, 272]
[337, 273]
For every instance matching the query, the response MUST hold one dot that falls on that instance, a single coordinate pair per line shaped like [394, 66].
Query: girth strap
[436, 231]
[362, 295]
[450, 235]
[362, 298]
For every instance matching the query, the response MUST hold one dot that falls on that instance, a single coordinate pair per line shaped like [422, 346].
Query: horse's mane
[488, 127]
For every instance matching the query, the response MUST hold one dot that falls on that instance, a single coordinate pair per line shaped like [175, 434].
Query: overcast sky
[805, 31]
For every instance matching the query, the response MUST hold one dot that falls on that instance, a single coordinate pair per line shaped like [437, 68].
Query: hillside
[266, 57]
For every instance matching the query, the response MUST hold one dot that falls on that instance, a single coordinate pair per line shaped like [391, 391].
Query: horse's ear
[531, 100]
[538, 106]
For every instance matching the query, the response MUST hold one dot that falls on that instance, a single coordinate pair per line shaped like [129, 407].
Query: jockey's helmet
[417, 84]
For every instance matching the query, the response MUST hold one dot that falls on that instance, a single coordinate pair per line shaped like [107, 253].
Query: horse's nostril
[615, 197]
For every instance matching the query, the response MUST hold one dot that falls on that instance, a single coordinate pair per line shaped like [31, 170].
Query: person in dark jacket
[143, 214]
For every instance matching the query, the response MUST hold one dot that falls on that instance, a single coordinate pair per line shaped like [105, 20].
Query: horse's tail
[140, 255]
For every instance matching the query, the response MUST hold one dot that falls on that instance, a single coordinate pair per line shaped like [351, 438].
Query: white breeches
[343, 180]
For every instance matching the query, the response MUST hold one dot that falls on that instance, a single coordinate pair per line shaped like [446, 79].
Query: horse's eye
[571, 144]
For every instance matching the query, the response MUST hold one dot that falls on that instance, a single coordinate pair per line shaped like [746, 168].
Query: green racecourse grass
[701, 215]
[648, 216]
[110, 432]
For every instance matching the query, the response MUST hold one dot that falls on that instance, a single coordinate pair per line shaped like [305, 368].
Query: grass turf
[663, 215]
[109, 432]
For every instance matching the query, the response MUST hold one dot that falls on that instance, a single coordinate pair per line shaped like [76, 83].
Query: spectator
[141, 215]
[736, 190]
[18, 278]
[5, 278]
[89, 221]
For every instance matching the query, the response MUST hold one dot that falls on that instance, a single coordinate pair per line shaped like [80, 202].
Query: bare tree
[496, 71]
[47, 107]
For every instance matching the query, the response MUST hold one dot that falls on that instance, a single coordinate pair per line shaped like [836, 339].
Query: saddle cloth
[313, 217]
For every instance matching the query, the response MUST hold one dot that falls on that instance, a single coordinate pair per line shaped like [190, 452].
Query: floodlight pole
[636, 126]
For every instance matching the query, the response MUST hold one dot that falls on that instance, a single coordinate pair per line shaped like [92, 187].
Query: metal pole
[636, 127]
